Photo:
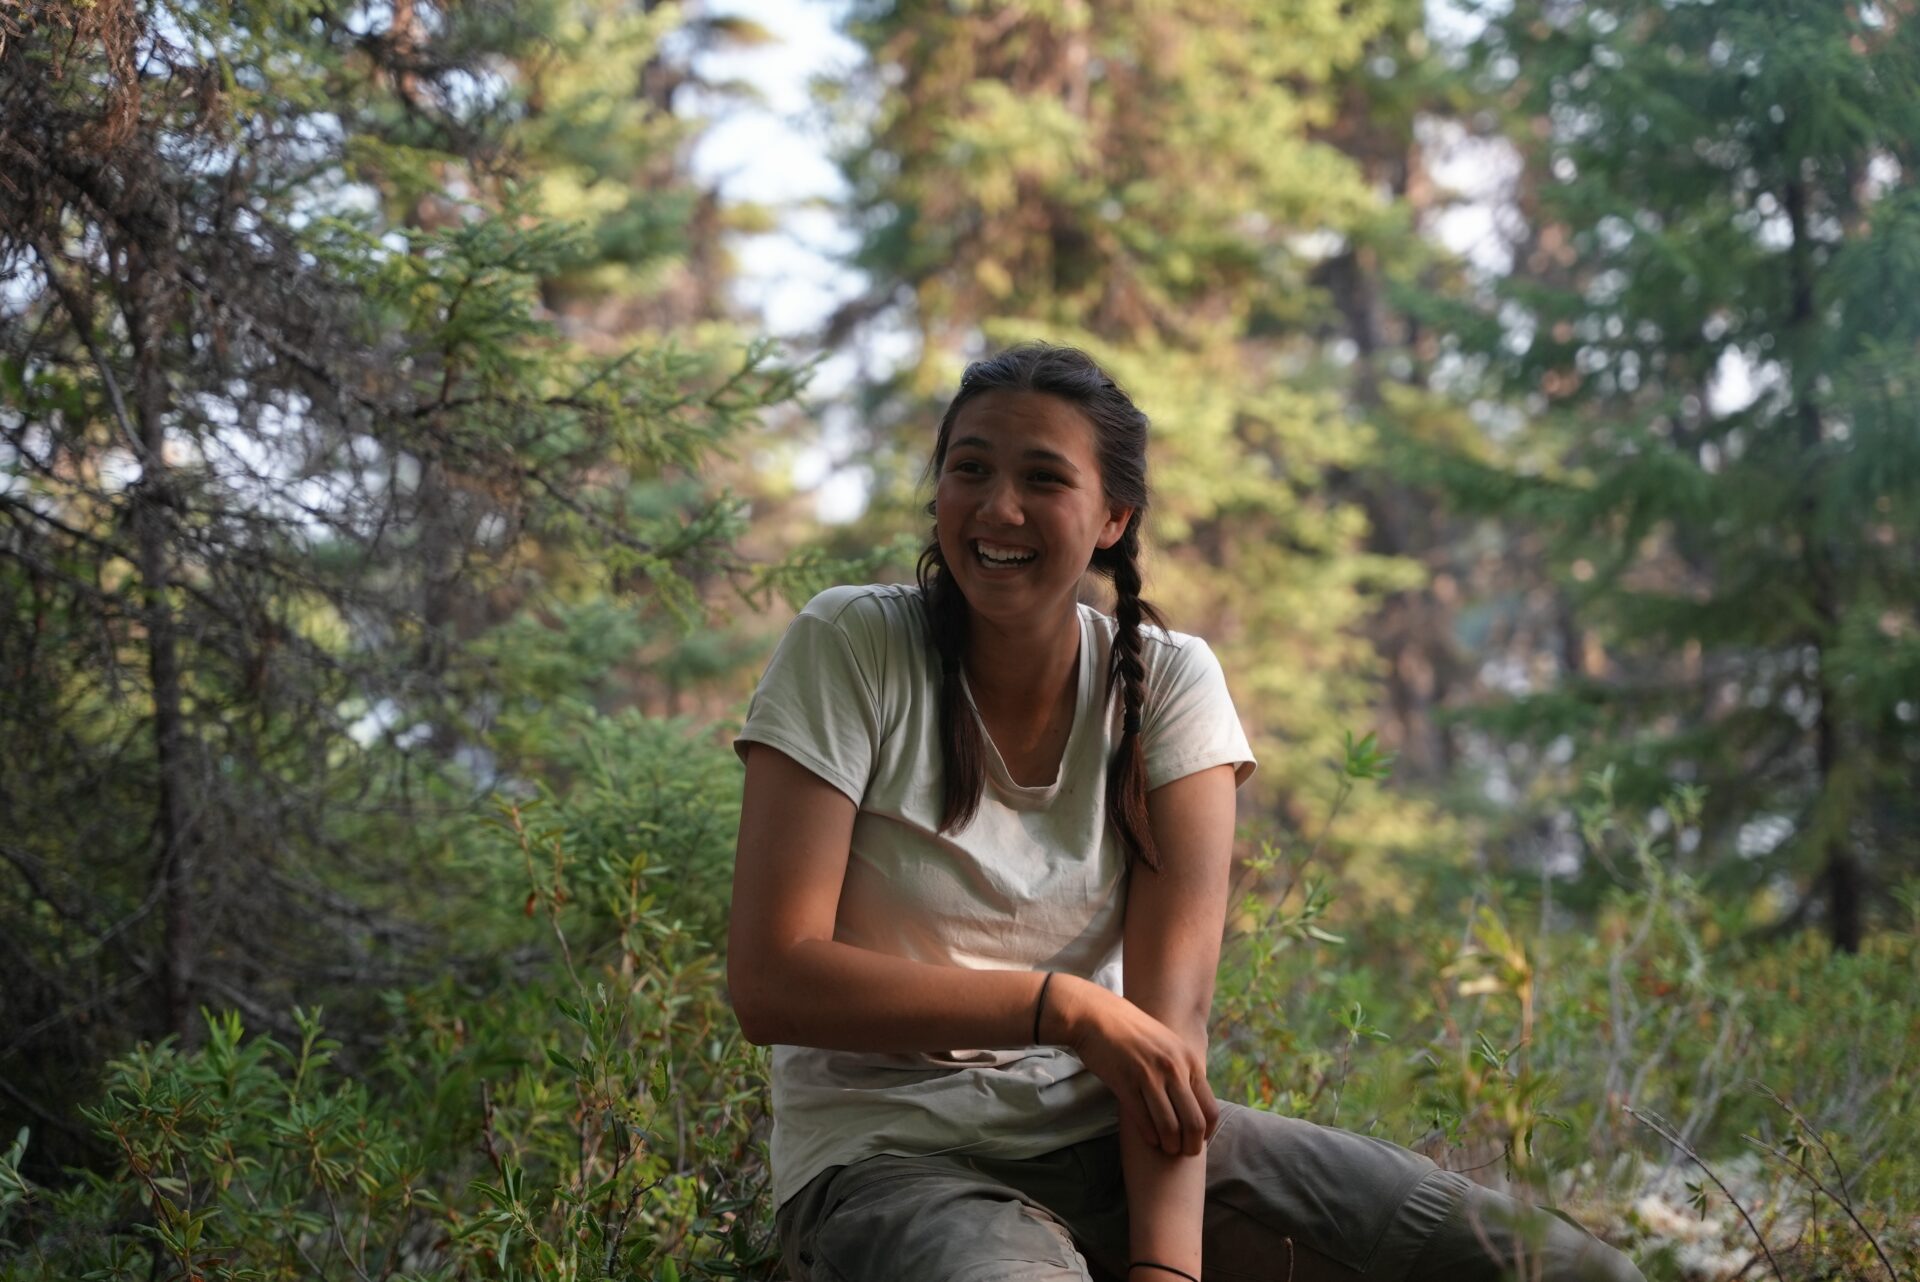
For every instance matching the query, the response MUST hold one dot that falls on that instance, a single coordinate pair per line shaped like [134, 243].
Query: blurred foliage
[1697, 377]
[1147, 181]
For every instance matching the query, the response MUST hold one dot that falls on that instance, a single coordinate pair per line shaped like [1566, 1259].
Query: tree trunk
[1412, 629]
[1840, 868]
[152, 519]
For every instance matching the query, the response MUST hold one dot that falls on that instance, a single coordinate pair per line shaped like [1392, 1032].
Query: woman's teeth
[1003, 556]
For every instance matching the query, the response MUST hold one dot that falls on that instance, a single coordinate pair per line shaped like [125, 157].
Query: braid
[962, 751]
[1127, 775]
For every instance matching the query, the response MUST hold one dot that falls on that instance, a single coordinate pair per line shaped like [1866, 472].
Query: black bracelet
[1164, 1268]
[1040, 1004]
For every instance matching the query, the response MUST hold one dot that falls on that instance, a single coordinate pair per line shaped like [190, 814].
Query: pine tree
[1144, 180]
[1723, 197]
[281, 400]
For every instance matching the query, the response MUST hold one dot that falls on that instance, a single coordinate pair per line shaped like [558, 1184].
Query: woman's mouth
[1001, 555]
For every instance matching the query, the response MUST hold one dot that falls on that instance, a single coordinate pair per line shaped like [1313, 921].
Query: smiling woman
[1040, 454]
[965, 803]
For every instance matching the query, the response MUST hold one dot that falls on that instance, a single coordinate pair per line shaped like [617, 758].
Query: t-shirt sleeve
[816, 705]
[1190, 723]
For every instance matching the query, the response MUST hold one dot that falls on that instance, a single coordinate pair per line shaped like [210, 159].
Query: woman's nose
[1001, 505]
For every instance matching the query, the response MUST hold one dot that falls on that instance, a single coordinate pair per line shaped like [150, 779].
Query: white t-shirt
[1037, 880]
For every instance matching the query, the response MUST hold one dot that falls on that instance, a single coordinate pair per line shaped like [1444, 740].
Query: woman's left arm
[1174, 921]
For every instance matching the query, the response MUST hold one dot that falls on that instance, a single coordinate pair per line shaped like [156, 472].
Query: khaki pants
[1287, 1201]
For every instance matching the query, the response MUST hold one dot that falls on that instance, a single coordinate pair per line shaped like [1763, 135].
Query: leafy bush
[1593, 1059]
[587, 1110]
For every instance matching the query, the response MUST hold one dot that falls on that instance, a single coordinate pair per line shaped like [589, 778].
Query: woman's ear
[1118, 519]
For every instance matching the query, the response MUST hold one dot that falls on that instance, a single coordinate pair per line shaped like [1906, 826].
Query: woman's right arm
[793, 983]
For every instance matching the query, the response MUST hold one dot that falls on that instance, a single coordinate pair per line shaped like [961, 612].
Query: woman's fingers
[1209, 1106]
[1192, 1135]
[1165, 1121]
[1178, 1115]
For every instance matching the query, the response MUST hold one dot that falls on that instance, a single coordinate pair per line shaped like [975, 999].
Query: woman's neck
[1023, 666]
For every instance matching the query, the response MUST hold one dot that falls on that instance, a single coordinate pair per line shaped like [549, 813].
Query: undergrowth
[1711, 1098]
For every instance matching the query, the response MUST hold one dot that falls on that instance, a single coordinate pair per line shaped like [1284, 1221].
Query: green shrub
[586, 1109]
[1555, 1052]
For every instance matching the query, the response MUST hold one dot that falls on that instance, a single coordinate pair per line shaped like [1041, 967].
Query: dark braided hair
[1120, 439]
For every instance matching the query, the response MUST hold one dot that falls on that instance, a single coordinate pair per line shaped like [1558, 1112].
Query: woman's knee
[889, 1218]
[1492, 1237]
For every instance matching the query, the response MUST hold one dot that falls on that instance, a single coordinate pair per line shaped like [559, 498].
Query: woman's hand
[1159, 1079]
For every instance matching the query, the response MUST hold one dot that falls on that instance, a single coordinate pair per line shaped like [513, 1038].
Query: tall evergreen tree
[281, 398]
[1143, 179]
[1714, 338]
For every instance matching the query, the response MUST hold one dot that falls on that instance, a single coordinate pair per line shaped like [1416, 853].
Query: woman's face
[1019, 507]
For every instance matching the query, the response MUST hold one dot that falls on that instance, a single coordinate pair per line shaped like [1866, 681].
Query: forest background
[397, 503]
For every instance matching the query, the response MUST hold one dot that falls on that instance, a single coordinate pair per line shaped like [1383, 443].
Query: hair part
[1120, 442]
